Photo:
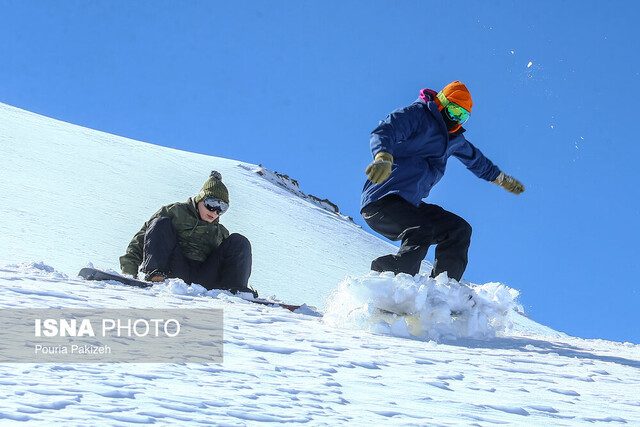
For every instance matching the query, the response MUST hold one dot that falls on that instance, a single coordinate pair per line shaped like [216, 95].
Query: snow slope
[72, 195]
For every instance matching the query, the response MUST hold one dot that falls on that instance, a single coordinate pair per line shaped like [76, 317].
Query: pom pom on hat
[213, 187]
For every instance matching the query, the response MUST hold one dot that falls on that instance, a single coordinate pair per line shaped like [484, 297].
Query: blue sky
[297, 86]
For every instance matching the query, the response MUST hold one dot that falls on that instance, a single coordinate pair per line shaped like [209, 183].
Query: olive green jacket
[197, 238]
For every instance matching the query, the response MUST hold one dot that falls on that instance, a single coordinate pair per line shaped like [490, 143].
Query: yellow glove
[380, 169]
[509, 183]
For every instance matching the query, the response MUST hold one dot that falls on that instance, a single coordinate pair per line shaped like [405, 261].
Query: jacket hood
[193, 206]
[427, 95]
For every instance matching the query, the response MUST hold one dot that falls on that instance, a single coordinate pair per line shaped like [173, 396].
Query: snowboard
[413, 321]
[89, 273]
[390, 314]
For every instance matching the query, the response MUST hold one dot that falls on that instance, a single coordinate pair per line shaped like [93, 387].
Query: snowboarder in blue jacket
[410, 149]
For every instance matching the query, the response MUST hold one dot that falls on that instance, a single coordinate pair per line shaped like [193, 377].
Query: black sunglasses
[214, 204]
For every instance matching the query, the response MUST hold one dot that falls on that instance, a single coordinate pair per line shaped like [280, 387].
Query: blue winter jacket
[420, 143]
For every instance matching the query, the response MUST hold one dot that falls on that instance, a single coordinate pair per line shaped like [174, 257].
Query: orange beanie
[458, 93]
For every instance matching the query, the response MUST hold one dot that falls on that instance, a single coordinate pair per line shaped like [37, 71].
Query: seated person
[187, 241]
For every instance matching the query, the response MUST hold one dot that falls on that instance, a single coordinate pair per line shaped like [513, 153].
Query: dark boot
[385, 263]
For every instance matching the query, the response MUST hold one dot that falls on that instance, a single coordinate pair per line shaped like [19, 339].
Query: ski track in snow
[282, 367]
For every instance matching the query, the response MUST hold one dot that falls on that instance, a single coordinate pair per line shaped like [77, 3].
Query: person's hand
[129, 268]
[509, 183]
[379, 171]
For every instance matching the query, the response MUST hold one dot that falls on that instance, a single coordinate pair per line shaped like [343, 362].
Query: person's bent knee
[160, 223]
[464, 230]
[468, 230]
[239, 241]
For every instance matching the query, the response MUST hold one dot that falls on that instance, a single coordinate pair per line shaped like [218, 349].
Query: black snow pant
[418, 228]
[228, 267]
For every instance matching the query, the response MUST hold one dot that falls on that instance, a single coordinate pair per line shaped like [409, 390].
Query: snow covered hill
[71, 196]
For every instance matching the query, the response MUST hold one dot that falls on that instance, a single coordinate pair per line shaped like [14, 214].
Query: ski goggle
[453, 110]
[216, 205]
[457, 113]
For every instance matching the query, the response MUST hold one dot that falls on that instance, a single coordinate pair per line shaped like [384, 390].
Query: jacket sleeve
[474, 160]
[398, 126]
[131, 260]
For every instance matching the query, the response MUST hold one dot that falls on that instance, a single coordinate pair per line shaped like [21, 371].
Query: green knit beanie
[213, 187]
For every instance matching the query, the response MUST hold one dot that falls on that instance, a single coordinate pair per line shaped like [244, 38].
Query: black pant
[418, 228]
[228, 266]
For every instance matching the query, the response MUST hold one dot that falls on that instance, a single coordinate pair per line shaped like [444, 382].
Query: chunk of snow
[420, 307]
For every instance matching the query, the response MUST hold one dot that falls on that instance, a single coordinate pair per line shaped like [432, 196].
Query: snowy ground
[72, 195]
[286, 367]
